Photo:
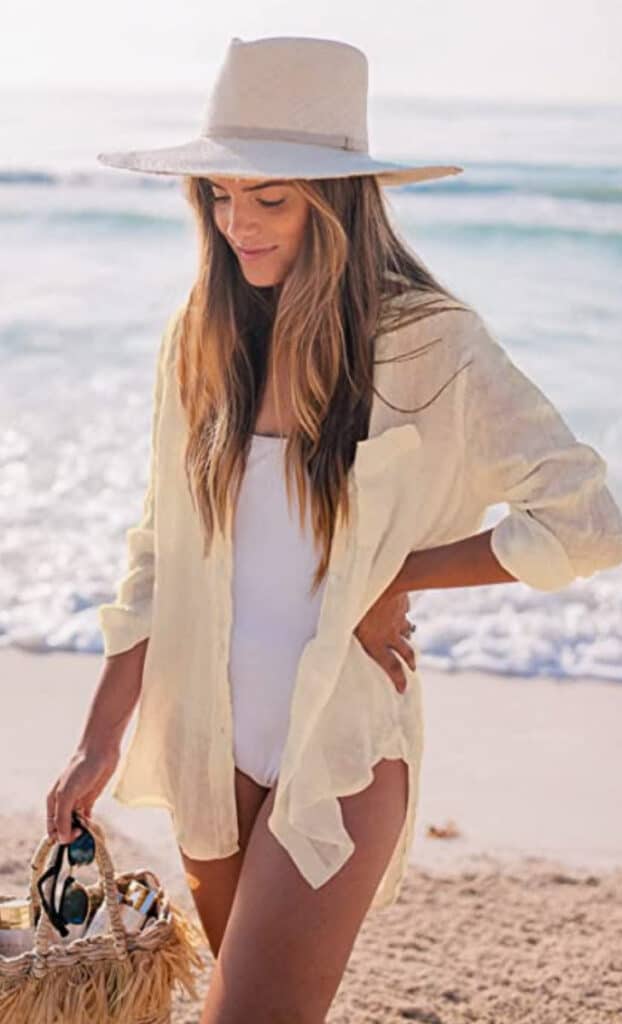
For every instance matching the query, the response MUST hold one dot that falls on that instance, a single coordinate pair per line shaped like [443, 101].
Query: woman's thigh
[286, 944]
[213, 882]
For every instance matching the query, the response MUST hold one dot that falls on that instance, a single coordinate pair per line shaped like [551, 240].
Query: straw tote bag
[117, 976]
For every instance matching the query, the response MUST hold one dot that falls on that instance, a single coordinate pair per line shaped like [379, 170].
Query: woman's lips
[255, 254]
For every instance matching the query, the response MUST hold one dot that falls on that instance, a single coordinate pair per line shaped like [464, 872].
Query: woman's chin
[259, 280]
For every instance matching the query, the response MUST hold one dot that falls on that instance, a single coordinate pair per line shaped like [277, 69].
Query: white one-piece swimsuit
[273, 614]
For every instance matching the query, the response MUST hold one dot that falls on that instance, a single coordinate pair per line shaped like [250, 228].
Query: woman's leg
[286, 945]
[213, 882]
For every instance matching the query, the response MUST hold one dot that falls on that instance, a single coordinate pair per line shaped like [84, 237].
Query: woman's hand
[77, 788]
[385, 626]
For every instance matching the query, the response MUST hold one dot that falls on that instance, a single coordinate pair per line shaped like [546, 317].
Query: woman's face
[262, 214]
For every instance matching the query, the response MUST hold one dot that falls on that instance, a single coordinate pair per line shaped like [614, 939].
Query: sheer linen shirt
[420, 479]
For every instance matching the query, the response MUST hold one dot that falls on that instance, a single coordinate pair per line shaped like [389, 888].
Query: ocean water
[95, 259]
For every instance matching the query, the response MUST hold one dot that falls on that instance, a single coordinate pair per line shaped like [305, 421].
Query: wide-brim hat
[284, 107]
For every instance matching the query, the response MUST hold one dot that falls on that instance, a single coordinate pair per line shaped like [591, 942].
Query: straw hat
[286, 107]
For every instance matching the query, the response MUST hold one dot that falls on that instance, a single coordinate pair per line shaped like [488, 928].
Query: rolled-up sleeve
[127, 620]
[563, 521]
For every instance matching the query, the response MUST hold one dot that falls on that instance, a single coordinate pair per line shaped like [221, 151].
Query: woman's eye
[263, 202]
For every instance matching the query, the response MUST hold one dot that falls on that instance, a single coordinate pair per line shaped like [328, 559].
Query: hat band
[286, 135]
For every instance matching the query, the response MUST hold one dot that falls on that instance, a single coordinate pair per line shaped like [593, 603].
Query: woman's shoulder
[431, 326]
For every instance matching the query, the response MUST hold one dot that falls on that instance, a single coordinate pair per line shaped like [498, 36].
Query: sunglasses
[73, 906]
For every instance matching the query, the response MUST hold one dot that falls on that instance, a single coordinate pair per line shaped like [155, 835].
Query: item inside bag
[17, 926]
[137, 905]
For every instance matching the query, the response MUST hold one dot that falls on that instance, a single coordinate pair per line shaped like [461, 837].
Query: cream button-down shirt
[420, 479]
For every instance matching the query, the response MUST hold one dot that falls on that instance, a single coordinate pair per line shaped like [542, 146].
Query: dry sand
[519, 919]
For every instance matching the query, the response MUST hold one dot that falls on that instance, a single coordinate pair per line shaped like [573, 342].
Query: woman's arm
[114, 699]
[563, 521]
[469, 562]
[97, 753]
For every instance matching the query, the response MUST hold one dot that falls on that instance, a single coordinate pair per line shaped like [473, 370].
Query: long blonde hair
[322, 320]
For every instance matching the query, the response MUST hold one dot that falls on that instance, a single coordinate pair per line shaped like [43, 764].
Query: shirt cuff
[122, 627]
[531, 552]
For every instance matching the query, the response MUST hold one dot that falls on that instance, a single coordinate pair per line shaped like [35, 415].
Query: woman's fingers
[66, 803]
[392, 666]
[70, 794]
[51, 812]
[379, 624]
[402, 646]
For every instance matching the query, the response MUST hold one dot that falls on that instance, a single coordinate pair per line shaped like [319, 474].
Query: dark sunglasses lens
[82, 849]
[75, 905]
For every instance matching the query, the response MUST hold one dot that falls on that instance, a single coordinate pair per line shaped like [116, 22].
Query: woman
[330, 425]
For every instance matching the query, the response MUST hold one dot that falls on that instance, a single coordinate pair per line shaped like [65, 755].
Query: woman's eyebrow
[254, 188]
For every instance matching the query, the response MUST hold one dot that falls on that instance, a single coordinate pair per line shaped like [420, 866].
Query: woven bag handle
[45, 931]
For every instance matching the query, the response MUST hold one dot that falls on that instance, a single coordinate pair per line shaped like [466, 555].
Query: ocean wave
[512, 231]
[591, 183]
[115, 220]
[83, 177]
[594, 192]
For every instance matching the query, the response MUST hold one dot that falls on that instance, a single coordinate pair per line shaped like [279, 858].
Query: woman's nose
[240, 223]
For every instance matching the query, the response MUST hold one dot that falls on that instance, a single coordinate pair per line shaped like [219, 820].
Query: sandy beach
[516, 918]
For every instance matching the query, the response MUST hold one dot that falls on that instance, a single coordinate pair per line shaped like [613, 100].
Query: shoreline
[523, 766]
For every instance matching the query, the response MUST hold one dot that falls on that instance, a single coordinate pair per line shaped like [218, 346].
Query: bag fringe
[134, 991]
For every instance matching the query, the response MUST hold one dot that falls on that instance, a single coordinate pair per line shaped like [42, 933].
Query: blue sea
[95, 259]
